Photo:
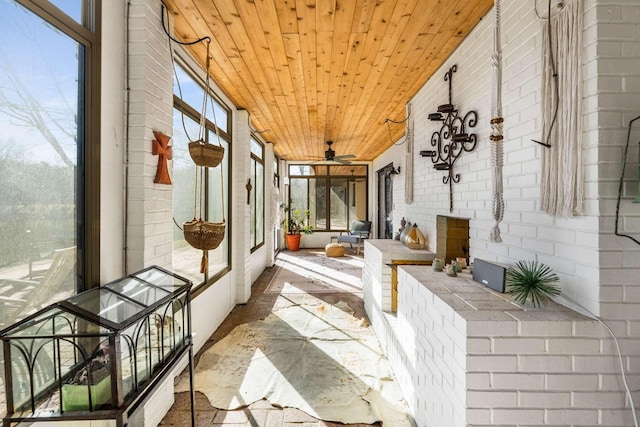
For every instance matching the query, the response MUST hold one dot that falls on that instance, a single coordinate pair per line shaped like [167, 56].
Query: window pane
[318, 208]
[358, 200]
[40, 117]
[252, 204]
[218, 207]
[256, 149]
[339, 206]
[218, 115]
[301, 170]
[259, 191]
[298, 194]
[73, 8]
[191, 92]
[186, 260]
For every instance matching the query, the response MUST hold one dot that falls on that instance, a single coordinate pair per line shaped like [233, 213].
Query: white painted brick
[491, 363]
[592, 364]
[545, 329]
[516, 416]
[571, 382]
[610, 417]
[518, 345]
[567, 416]
[494, 399]
[544, 400]
[518, 381]
[573, 346]
[546, 364]
[599, 400]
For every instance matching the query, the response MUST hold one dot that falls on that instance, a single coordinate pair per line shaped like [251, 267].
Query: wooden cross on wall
[249, 188]
[163, 150]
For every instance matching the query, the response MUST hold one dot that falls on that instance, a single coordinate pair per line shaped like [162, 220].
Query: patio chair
[359, 231]
[22, 297]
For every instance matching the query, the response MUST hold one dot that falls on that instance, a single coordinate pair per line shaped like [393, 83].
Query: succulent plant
[532, 281]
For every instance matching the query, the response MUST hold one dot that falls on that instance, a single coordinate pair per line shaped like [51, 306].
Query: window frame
[87, 34]
[326, 179]
[253, 214]
[193, 114]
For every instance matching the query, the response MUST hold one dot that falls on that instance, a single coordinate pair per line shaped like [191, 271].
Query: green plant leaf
[532, 281]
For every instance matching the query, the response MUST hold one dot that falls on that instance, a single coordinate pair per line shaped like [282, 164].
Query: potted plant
[532, 281]
[295, 223]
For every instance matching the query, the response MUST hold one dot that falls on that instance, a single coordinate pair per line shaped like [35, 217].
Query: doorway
[385, 202]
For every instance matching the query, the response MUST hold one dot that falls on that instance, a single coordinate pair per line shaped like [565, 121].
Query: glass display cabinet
[98, 354]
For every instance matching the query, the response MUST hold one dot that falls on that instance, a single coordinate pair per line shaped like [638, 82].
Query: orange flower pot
[293, 241]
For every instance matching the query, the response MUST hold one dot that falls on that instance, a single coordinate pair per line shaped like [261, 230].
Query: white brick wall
[241, 154]
[151, 108]
[598, 270]
[575, 248]
[461, 364]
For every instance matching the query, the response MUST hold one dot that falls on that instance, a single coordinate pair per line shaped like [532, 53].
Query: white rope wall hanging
[562, 186]
[497, 124]
[408, 167]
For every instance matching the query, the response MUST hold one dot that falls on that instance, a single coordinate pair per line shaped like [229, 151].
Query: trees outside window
[49, 162]
[215, 188]
[256, 196]
[335, 195]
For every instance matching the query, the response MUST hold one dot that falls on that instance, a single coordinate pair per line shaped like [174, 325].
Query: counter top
[474, 301]
[395, 250]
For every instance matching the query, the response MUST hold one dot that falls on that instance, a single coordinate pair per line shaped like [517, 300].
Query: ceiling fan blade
[346, 156]
[341, 161]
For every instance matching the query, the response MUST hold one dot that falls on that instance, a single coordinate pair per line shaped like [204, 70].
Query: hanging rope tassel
[497, 155]
[204, 262]
[497, 124]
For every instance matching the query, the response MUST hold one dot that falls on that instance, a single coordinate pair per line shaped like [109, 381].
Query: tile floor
[262, 413]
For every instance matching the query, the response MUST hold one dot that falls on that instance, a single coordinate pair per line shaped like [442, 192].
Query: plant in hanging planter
[295, 223]
[532, 281]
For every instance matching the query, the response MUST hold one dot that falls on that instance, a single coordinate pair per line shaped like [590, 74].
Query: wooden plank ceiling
[311, 71]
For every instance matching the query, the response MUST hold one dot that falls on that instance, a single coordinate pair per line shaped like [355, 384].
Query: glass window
[73, 8]
[256, 195]
[191, 91]
[210, 200]
[43, 105]
[335, 195]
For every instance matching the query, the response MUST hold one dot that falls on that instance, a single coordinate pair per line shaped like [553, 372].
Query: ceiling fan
[330, 155]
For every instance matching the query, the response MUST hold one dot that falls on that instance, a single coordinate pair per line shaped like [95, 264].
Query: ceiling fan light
[329, 154]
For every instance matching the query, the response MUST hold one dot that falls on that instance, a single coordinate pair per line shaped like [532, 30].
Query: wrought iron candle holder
[452, 139]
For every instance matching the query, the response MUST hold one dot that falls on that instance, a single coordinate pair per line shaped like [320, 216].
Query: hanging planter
[198, 233]
[205, 155]
[204, 235]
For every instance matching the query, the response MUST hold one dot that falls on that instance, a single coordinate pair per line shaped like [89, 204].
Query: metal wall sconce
[452, 139]
[395, 171]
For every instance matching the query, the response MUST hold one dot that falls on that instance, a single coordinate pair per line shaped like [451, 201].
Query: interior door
[385, 202]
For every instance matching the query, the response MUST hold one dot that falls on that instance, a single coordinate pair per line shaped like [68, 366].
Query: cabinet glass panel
[98, 350]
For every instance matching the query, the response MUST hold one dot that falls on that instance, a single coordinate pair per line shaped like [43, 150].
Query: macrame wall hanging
[199, 233]
[408, 166]
[562, 188]
[497, 122]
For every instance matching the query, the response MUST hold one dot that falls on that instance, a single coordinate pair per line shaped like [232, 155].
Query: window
[256, 196]
[210, 201]
[49, 159]
[276, 172]
[334, 195]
